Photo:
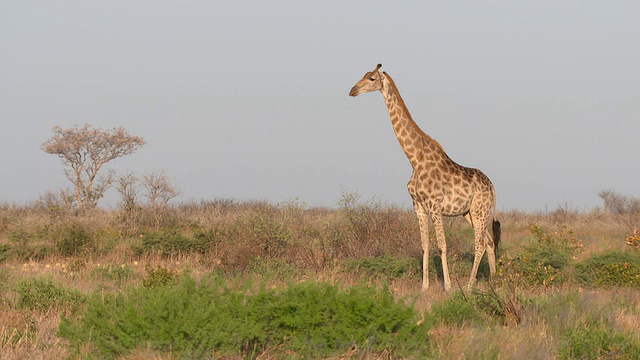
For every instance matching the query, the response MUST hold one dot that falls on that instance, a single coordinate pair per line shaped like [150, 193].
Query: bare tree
[127, 187]
[56, 204]
[160, 190]
[627, 208]
[85, 150]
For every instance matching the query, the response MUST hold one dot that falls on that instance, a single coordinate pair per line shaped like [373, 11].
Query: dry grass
[295, 243]
[30, 335]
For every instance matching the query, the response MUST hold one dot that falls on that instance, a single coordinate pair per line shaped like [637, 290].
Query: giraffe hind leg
[492, 240]
[491, 251]
[492, 244]
[482, 242]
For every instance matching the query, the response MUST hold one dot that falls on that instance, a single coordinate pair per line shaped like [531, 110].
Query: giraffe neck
[412, 139]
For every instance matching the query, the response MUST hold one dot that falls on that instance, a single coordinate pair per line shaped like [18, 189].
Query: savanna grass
[565, 287]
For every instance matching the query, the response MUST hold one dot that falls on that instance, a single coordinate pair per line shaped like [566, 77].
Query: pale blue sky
[249, 99]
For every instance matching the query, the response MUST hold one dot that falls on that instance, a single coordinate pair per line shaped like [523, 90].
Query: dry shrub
[29, 334]
[372, 229]
[634, 240]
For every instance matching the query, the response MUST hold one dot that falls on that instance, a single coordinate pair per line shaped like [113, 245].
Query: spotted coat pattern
[438, 186]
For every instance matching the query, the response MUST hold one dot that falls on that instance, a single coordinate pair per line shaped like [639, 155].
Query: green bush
[612, 268]
[386, 266]
[73, 239]
[267, 231]
[545, 262]
[20, 236]
[586, 325]
[597, 339]
[205, 240]
[159, 276]
[477, 308]
[25, 246]
[4, 285]
[194, 320]
[5, 252]
[456, 310]
[113, 272]
[77, 265]
[320, 319]
[31, 252]
[43, 294]
[172, 242]
[274, 268]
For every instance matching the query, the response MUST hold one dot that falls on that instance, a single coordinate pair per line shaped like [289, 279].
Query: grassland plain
[227, 279]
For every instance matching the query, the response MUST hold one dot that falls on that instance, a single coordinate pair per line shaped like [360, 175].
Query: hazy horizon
[248, 100]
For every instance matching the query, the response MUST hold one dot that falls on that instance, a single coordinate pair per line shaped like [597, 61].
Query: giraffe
[438, 186]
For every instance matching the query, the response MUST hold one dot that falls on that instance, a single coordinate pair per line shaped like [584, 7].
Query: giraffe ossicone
[438, 186]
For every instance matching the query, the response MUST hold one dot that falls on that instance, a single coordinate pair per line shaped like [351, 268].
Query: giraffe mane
[404, 106]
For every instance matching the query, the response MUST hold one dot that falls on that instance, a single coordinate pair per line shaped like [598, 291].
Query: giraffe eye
[372, 79]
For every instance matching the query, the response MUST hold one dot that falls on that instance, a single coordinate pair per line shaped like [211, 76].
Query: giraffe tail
[497, 231]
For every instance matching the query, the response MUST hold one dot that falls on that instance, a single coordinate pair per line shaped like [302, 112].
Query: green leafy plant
[77, 265]
[385, 266]
[43, 294]
[25, 245]
[597, 339]
[20, 236]
[117, 273]
[268, 231]
[159, 276]
[543, 263]
[458, 309]
[611, 268]
[73, 239]
[192, 320]
[173, 242]
[5, 251]
[273, 268]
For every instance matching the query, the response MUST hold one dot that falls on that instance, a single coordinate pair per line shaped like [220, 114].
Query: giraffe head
[371, 81]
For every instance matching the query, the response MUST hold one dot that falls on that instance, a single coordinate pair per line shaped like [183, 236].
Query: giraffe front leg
[436, 217]
[423, 220]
